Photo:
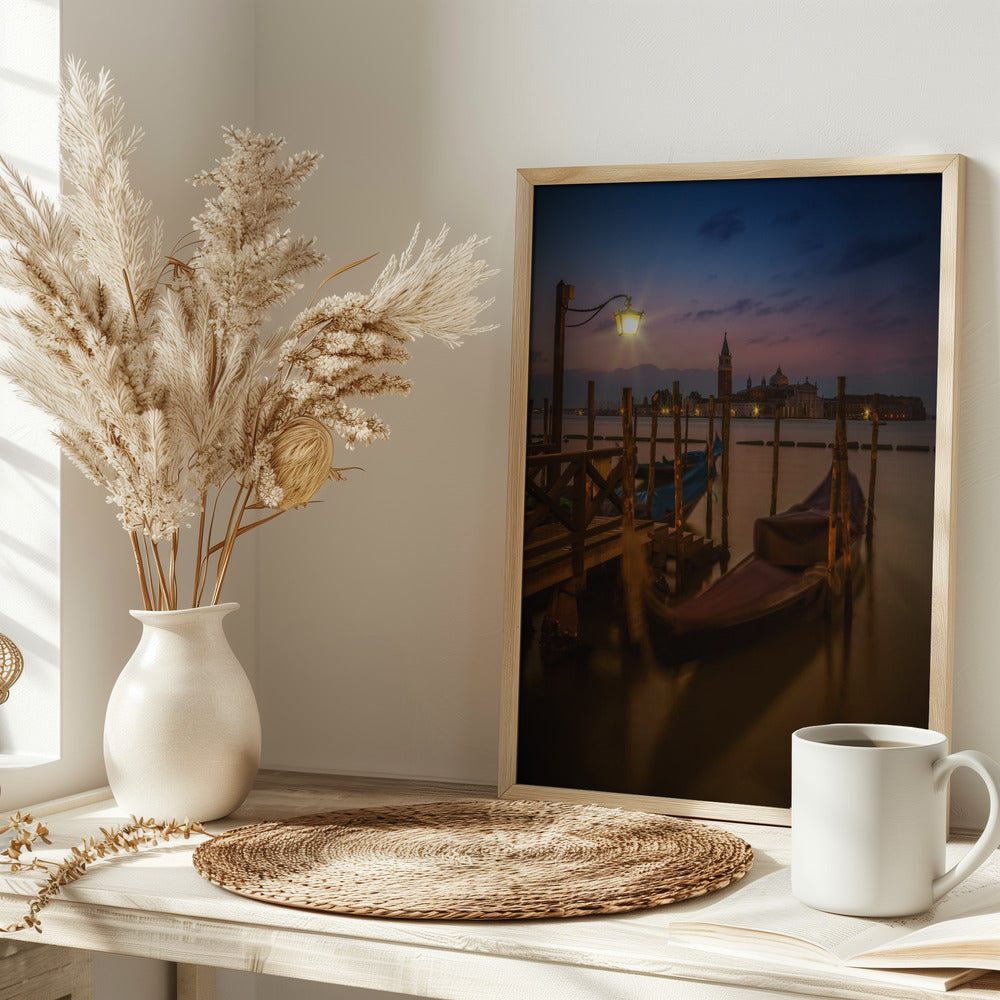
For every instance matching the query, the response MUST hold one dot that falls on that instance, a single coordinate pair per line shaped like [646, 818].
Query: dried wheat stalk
[183, 393]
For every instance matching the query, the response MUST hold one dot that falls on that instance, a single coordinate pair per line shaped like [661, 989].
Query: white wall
[381, 612]
[30, 571]
[380, 608]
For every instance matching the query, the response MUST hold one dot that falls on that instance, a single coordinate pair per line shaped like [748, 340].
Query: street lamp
[627, 319]
[627, 322]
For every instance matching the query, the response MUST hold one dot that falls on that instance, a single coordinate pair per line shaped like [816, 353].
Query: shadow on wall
[978, 485]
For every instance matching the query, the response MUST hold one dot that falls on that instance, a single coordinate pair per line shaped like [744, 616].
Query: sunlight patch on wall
[29, 458]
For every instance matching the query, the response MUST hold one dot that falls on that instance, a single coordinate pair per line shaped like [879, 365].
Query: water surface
[715, 724]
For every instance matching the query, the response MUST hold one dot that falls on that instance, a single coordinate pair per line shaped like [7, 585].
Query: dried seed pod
[301, 456]
[11, 663]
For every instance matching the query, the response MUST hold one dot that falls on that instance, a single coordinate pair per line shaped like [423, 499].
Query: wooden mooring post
[837, 472]
[872, 470]
[633, 572]
[548, 445]
[727, 410]
[687, 424]
[774, 459]
[591, 415]
[845, 504]
[675, 403]
[628, 461]
[710, 459]
[564, 293]
[651, 480]
[678, 462]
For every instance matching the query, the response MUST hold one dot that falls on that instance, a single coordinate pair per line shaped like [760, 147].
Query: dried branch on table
[128, 839]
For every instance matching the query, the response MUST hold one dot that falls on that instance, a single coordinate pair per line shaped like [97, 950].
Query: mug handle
[989, 839]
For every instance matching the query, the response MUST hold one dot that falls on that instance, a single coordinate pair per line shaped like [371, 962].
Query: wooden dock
[553, 554]
[581, 513]
[570, 529]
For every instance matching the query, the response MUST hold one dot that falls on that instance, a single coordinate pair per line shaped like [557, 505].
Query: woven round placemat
[475, 860]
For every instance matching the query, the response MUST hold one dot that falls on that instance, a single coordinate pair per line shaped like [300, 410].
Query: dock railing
[568, 488]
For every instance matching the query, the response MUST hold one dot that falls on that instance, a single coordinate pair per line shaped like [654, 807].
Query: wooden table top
[156, 905]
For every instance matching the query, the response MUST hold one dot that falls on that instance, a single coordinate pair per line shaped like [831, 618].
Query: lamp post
[627, 322]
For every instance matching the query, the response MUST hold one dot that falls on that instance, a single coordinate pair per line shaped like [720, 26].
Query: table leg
[43, 973]
[195, 982]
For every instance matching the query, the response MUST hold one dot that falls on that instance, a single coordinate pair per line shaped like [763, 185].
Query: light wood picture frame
[660, 661]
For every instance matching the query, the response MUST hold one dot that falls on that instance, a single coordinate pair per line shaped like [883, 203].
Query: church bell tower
[725, 369]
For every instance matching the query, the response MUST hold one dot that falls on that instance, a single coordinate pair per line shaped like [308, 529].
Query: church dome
[779, 378]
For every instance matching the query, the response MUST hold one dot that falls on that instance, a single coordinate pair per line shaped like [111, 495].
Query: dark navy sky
[825, 276]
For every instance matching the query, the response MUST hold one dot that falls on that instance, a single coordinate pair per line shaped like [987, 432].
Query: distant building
[889, 407]
[805, 401]
[725, 369]
[802, 399]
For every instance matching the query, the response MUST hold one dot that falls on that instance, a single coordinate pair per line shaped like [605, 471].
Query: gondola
[695, 483]
[663, 468]
[787, 569]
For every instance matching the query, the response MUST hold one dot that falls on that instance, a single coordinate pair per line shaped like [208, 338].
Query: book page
[972, 940]
[979, 893]
[767, 904]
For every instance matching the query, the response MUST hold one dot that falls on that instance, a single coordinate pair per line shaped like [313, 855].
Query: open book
[956, 940]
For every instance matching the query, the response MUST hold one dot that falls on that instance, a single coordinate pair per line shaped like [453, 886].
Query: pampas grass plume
[161, 382]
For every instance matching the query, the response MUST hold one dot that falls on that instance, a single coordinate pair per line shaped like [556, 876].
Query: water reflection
[603, 713]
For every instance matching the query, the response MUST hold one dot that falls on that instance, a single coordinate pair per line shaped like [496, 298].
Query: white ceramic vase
[182, 731]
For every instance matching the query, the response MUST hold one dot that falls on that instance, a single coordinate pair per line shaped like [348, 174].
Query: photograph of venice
[730, 476]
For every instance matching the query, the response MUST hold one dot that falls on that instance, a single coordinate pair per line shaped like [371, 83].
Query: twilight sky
[825, 276]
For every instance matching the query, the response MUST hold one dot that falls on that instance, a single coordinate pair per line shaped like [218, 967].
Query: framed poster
[731, 478]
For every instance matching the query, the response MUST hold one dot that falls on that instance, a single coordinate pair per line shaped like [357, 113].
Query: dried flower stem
[340, 271]
[131, 297]
[141, 569]
[247, 527]
[201, 538]
[174, 542]
[232, 533]
[126, 839]
[211, 525]
[149, 571]
[162, 588]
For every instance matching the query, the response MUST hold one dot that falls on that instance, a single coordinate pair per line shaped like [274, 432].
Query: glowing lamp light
[627, 320]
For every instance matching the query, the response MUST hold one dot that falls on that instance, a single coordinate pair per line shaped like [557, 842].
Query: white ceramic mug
[869, 818]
